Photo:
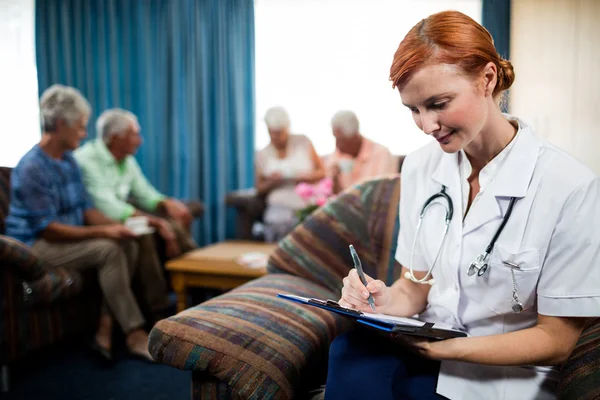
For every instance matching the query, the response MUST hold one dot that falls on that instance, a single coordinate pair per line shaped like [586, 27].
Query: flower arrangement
[315, 195]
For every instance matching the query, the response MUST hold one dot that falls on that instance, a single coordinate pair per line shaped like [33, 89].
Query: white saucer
[143, 231]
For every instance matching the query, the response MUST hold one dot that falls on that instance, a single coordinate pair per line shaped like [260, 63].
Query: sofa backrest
[365, 216]
[4, 195]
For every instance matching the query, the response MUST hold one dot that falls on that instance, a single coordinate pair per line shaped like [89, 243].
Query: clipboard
[387, 323]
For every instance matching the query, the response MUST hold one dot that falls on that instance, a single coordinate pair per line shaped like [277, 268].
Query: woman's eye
[439, 106]
[414, 110]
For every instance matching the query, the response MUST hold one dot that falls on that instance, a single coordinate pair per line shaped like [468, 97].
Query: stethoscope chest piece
[479, 265]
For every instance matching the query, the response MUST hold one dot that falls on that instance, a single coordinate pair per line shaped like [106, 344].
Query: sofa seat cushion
[253, 341]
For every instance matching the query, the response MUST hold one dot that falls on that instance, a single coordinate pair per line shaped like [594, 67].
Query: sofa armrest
[580, 375]
[250, 207]
[37, 283]
[20, 259]
[251, 340]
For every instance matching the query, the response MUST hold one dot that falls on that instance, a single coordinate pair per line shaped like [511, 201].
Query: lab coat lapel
[512, 180]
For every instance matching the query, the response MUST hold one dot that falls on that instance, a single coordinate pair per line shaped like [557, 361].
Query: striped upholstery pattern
[256, 343]
[25, 328]
[365, 216]
[38, 307]
[205, 387]
[250, 344]
[580, 375]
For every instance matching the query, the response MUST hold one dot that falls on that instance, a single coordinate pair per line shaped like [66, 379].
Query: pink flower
[305, 191]
[320, 201]
[324, 187]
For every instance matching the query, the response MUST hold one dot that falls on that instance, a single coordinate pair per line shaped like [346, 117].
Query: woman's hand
[435, 350]
[355, 294]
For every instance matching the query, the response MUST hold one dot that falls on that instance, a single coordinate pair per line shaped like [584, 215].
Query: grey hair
[277, 118]
[346, 121]
[114, 121]
[62, 102]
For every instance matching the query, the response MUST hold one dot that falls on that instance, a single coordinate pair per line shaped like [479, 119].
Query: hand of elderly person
[177, 210]
[172, 248]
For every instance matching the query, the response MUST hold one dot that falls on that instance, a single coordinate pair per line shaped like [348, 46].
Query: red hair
[449, 37]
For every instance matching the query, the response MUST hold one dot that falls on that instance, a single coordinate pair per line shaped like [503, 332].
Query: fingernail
[366, 294]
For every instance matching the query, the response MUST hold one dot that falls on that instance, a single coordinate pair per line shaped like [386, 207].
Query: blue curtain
[495, 16]
[185, 68]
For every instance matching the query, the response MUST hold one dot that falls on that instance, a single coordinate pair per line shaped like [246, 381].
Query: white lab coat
[552, 235]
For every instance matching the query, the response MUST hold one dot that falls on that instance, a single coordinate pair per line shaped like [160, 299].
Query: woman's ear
[490, 78]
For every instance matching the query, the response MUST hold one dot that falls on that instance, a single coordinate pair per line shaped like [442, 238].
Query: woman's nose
[429, 123]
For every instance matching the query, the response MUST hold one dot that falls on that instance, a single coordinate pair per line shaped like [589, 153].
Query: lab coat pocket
[526, 268]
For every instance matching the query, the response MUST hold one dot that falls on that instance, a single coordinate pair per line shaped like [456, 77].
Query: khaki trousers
[117, 263]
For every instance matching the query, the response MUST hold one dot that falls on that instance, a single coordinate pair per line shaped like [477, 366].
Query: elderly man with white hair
[50, 210]
[285, 162]
[112, 176]
[356, 158]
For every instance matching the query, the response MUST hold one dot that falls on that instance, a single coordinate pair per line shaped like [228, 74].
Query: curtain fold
[185, 68]
[495, 16]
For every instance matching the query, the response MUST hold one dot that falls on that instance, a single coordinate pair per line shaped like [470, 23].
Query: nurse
[525, 312]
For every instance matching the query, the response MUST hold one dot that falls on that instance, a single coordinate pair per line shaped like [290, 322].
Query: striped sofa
[38, 306]
[249, 344]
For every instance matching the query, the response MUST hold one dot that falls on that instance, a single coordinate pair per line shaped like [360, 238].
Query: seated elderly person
[51, 211]
[112, 175]
[285, 162]
[356, 158]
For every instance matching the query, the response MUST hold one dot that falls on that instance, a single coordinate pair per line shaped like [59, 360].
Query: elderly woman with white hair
[51, 212]
[356, 158]
[285, 162]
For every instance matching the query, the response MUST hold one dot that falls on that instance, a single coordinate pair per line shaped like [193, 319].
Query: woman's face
[447, 105]
[279, 137]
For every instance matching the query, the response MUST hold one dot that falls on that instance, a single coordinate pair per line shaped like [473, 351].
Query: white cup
[346, 165]
[137, 224]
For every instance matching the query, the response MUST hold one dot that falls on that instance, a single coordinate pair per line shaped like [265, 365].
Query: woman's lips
[444, 138]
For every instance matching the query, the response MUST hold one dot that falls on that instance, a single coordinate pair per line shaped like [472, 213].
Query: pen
[361, 274]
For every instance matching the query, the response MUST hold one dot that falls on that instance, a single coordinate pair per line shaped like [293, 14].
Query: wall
[19, 110]
[555, 49]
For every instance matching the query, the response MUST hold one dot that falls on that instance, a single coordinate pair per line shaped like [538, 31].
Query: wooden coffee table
[214, 266]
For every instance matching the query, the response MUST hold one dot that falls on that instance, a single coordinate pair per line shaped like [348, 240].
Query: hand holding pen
[355, 293]
[361, 275]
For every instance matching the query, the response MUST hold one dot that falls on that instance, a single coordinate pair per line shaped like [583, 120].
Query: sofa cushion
[366, 216]
[581, 373]
[19, 257]
[251, 340]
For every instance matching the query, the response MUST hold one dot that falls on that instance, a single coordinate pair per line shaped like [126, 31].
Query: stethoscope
[480, 264]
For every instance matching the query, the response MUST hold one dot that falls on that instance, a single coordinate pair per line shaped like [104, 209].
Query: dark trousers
[364, 365]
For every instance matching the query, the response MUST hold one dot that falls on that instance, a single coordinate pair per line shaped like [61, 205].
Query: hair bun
[506, 75]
